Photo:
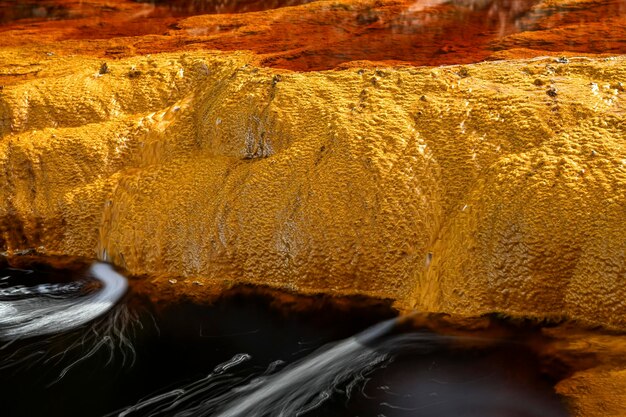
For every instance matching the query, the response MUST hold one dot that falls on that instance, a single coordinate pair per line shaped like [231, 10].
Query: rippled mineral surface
[458, 157]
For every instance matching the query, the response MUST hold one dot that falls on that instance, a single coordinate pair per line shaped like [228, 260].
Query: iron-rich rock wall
[490, 187]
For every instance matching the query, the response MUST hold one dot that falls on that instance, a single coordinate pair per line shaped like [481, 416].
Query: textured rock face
[490, 187]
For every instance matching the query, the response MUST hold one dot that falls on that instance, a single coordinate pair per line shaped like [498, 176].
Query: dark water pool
[186, 359]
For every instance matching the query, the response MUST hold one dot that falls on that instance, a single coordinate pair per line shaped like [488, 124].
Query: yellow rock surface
[489, 187]
[597, 386]
[596, 392]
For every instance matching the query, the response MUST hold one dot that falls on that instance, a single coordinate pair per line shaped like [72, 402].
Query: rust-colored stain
[324, 34]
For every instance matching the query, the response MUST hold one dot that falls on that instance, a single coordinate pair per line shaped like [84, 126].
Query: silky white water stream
[47, 309]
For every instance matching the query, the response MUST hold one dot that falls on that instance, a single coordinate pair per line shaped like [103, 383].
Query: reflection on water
[241, 357]
[195, 7]
[326, 34]
[43, 10]
[17, 10]
[375, 373]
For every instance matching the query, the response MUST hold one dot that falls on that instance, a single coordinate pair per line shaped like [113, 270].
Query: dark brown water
[186, 359]
[17, 10]
[46, 10]
[196, 7]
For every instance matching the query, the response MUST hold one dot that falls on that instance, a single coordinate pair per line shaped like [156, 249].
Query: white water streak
[306, 374]
[291, 392]
[308, 384]
[40, 315]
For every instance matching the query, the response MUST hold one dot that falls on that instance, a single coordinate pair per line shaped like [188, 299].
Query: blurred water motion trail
[48, 309]
[323, 35]
[333, 382]
[239, 357]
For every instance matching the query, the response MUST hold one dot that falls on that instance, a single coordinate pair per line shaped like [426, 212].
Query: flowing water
[242, 357]
[55, 308]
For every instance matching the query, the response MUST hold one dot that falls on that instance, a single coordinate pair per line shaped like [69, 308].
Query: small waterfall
[54, 308]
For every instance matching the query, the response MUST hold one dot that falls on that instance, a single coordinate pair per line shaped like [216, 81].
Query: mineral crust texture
[495, 187]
